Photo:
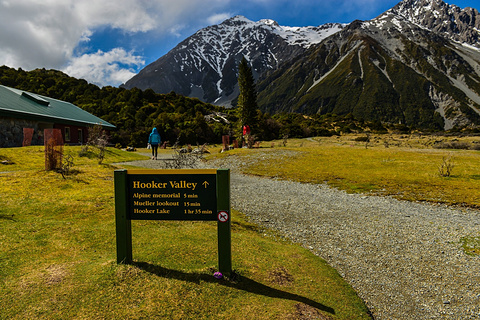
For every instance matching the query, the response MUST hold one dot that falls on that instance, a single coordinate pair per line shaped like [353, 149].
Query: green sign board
[172, 195]
[185, 194]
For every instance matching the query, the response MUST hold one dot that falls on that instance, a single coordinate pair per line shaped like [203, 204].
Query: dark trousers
[154, 150]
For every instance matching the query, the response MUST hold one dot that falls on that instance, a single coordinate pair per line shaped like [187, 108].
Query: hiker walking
[246, 135]
[154, 140]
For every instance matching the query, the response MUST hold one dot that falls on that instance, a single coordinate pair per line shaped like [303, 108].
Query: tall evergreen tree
[247, 100]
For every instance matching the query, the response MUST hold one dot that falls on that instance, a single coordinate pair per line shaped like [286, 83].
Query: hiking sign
[173, 194]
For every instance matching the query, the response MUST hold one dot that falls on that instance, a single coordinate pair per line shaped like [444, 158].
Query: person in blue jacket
[154, 140]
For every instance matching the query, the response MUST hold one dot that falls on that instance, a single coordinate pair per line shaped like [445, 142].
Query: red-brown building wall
[72, 134]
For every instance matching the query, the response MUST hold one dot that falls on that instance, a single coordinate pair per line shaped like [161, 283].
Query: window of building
[80, 136]
[67, 134]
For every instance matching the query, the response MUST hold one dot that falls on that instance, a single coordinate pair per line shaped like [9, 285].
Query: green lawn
[58, 257]
[408, 171]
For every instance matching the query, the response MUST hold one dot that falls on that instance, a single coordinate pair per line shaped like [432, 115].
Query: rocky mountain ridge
[205, 64]
[417, 64]
[450, 21]
[396, 68]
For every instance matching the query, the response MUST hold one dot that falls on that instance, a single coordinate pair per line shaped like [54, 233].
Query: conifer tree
[247, 100]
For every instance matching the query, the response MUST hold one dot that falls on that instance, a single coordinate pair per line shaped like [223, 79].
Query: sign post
[224, 222]
[123, 225]
[183, 194]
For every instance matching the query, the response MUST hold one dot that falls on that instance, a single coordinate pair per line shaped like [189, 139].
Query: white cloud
[218, 18]
[48, 33]
[56, 33]
[129, 15]
[32, 33]
[113, 67]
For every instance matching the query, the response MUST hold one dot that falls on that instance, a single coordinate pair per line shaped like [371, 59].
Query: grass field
[58, 257]
[406, 167]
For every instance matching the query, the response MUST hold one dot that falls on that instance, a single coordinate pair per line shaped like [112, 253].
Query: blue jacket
[154, 138]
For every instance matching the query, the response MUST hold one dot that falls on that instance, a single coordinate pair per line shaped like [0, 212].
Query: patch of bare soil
[304, 312]
[281, 276]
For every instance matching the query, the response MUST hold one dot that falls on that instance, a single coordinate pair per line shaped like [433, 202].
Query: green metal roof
[21, 104]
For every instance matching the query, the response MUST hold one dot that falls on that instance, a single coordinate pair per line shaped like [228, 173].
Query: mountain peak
[238, 19]
[406, 66]
[449, 21]
[420, 5]
[269, 22]
[205, 64]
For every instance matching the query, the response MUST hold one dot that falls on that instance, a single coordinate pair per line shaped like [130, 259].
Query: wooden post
[224, 225]
[123, 225]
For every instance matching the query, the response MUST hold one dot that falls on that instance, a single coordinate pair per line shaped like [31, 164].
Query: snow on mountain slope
[407, 66]
[205, 64]
[450, 21]
[417, 64]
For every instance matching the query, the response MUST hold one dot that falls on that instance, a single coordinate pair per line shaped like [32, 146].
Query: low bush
[362, 139]
[459, 145]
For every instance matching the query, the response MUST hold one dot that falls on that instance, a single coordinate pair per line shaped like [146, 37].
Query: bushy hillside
[134, 112]
[187, 120]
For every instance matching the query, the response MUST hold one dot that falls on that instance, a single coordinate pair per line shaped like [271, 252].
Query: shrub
[185, 157]
[98, 139]
[362, 139]
[446, 167]
[452, 145]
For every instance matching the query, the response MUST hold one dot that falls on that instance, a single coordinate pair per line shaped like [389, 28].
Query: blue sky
[107, 42]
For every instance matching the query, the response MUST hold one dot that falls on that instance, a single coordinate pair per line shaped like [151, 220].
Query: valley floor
[405, 259]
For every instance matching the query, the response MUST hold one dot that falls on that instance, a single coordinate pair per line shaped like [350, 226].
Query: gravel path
[404, 259]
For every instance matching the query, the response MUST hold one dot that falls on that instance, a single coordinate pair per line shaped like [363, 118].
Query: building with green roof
[20, 109]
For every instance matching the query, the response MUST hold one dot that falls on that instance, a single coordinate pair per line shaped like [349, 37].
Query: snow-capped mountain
[439, 17]
[418, 64]
[205, 64]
